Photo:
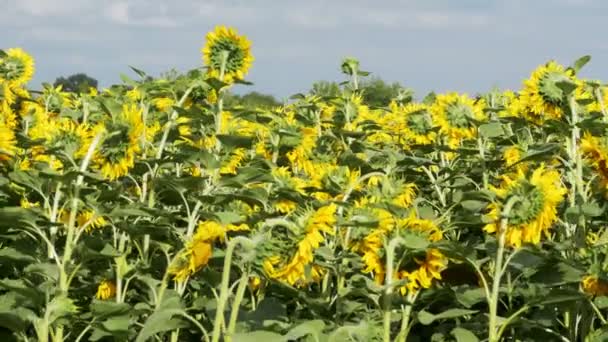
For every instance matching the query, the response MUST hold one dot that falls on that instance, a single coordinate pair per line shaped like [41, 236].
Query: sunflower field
[153, 211]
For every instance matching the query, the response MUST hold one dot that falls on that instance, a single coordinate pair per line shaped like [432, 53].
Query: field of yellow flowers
[152, 211]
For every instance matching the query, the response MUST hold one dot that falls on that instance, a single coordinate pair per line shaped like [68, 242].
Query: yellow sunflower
[234, 162]
[294, 272]
[199, 249]
[541, 98]
[372, 245]
[106, 290]
[163, 103]
[116, 155]
[456, 115]
[594, 286]
[16, 67]
[227, 54]
[413, 123]
[8, 144]
[534, 212]
[425, 273]
[595, 151]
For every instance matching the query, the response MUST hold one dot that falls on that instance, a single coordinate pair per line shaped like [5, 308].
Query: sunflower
[86, 219]
[594, 286]
[122, 140]
[106, 290]
[228, 52]
[425, 273]
[16, 67]
[413, 123]
[72, 137]
[371, 248]
[456, 115]
[199, 249]
[595, 151]
[541, 98]
[294, 272]
[163, 103]
[234, 162]
[534, 212]
[8, 144]
[285, 206]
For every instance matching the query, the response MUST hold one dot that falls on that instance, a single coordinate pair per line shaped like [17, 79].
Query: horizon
[409, 42]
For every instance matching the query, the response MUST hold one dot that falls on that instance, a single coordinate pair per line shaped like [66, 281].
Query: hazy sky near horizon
[442, 45]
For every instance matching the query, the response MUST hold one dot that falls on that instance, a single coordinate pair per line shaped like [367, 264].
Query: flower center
[549, 89]
[459, 115]
[12, 68]
[235, 59]
[420, 122]
[529, 206]
[116, 144]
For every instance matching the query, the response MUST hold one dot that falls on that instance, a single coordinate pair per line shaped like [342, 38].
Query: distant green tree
[325, 88]
[378, 93]
[252, 99]
[77, 83]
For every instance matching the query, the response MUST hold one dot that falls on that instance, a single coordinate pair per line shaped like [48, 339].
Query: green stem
[433, 180]
[600, 100]
[498, 269]
[234, 314]
[510, 319]
[54, 214]
[388, 287]
[218, 323]
[405, 318]
[64, 279]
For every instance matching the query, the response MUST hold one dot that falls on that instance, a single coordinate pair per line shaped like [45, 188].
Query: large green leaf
[426, 318]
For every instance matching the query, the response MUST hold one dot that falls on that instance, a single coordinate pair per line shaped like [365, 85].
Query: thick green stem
[433, 180]
[234, 313]
[53, 217]
[219, 323]
[406, 316]
[493, 331]
[64, 279]
[388, 286]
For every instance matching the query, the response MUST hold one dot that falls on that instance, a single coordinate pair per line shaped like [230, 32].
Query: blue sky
[464, 45]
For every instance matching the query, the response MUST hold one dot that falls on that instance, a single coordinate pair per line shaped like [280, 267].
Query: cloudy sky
[465, 45]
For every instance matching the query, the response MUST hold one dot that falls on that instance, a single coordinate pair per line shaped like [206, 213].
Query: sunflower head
[227, 54]
[535, 209]
[544, 93]
[8, 143]
[106, 290]
[594, 286]
[16, 67]
[457, 116]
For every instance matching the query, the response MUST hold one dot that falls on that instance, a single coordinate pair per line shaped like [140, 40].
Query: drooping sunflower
[594, 286]
[294, 271]
[116, 154]
[8, 143]
[541, 98]
[595, 151]
[199, 249]
[228, 52]
[420, 273]
[414, 123]
[16, 68]
[456, 115]
[534, 212]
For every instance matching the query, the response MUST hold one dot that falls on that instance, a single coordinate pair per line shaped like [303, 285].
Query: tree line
[376, 91]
